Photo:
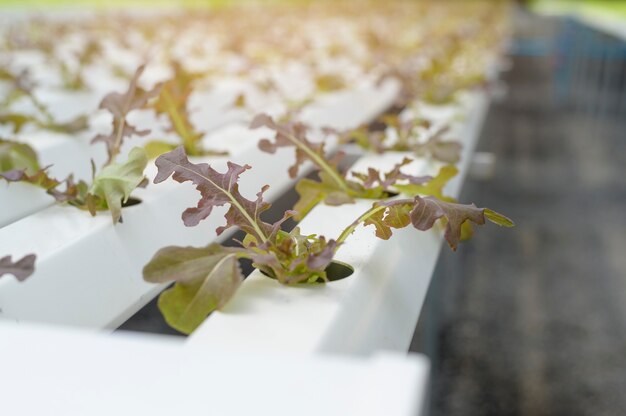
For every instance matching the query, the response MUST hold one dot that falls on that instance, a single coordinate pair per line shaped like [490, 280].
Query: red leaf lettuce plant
[407, 138]
[206, 278]
[334, 188]
[172, 101]
[112, 185]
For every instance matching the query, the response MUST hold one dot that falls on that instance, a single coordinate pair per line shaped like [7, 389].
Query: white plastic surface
[78, 374]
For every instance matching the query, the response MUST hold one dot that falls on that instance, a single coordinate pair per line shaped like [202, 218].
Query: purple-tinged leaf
[21, 269]
[216, 189]
[293, 134]
[422, 213]
[385, 181]
[429, 209]
[40, 178]
[119, 105]
[321, 259]
[134, 98]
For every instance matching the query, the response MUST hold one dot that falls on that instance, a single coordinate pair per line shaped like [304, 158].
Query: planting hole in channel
[336, 270]
[131, 201]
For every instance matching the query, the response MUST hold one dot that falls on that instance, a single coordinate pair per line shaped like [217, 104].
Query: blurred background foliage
[140, 3]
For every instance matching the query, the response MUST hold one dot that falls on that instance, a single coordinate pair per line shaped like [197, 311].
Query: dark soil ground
[532, 321]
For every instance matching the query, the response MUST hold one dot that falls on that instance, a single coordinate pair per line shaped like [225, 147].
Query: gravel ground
[532, 321]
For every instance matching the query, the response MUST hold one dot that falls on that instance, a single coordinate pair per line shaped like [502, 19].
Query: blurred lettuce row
[23, 4]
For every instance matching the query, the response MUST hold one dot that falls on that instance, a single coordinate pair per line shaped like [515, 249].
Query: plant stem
[118, 141]
[42, 108]
[179, 125]
[319, 161]
[350, 229]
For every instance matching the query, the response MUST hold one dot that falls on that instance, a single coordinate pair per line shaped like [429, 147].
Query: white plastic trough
[55, 371]
[89, 271]
[259, 347]
[375, 309]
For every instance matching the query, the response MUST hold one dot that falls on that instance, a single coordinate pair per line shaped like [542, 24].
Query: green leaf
[17, 120]
[156, 148]
[19, 163]
[467, 231]
[499, 219]
[383, 231]
[295, 258]
[205, 279]
[17, 156]
[173, 102]
[311, 193]
[398, 216]
[116, 181]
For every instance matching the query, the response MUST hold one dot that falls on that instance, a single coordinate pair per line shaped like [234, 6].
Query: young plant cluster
[206, 278]
[329, 45]
[112, 185]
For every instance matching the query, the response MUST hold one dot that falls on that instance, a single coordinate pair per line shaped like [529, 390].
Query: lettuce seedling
[72, 77]
[333, 188]
[21, 269]
[206, 278]
[172, 101]
[406, 138]
[23, 86]
[112, 185]
[110, 188]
